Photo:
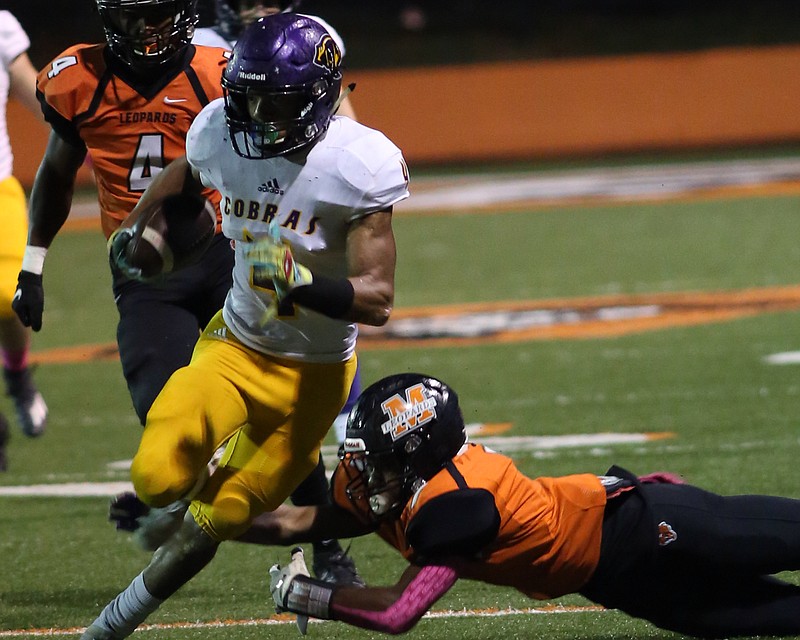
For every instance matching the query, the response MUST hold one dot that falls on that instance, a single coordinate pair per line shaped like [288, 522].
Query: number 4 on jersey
[147, 163]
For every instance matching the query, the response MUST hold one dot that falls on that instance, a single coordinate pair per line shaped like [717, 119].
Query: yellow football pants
[273, 413]
[12, 241]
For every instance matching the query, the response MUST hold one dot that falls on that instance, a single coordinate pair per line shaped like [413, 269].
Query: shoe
[4, 437]
[30, 406]
[336, 566]
[96, 632]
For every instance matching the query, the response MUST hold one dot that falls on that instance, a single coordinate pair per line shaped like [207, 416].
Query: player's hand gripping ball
[165, 236]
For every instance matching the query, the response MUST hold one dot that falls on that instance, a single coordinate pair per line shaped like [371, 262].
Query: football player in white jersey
[307, 200]
[18, 80]
[331, 563]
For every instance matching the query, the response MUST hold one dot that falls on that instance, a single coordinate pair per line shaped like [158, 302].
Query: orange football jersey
[548, 542]
[131, 132]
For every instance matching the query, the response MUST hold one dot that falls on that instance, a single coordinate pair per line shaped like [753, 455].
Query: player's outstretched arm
[391, 610]
[291, 525]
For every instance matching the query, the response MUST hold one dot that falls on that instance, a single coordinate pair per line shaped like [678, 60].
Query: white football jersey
[351, 172]
[13, 42]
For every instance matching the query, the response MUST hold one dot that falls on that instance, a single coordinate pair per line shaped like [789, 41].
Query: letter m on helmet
[409, 412]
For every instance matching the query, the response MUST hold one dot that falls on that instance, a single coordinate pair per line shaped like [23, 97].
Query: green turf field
[734, 417]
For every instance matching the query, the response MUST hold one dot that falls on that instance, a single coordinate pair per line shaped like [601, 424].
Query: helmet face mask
[234, 15]
[145, 34]
[376, 482]
[400, 433]
[280, 86]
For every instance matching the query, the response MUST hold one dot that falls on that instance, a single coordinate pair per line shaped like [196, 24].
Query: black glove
[28, 302]
[125, 510]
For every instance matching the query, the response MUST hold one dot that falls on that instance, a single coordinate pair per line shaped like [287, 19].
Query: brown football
[170, 234]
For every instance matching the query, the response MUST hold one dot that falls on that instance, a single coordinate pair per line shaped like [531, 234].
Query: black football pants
[160, 323]
[700, 564]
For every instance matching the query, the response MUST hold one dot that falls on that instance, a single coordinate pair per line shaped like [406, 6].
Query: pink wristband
[430, 584]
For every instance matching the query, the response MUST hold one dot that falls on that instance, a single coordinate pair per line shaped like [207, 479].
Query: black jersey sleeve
[63, 127]
[456, 523]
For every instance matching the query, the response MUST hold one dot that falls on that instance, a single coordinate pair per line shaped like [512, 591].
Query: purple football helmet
[281, 85]
[230, 13]
[145, 34]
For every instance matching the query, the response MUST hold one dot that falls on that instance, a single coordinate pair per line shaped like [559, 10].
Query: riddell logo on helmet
[409, 413]
[246, 75]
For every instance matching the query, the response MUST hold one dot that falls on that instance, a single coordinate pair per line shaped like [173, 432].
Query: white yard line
[505, 444]
[615, 183]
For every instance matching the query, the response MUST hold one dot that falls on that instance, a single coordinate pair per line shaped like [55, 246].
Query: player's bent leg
[291, 409]
[251, 479]
[29, 405]
[197, 411]
[172, 566]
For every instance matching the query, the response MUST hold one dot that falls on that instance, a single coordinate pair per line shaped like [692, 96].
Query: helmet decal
[409, 413]
[327, 54]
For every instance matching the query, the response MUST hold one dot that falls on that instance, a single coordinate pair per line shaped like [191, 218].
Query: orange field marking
[281, 619]
[590, 317]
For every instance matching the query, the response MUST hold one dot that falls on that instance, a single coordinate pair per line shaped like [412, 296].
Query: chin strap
[345, 92]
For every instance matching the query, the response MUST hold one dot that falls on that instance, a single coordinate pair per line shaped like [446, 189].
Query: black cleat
[336, 566]
[28, 402]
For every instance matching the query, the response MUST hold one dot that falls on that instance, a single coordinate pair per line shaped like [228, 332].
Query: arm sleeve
[430, 584]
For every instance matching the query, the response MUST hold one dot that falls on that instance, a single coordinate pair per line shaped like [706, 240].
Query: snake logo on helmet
[146, 34]
[402, 430]
[281, 85]
[229, 14]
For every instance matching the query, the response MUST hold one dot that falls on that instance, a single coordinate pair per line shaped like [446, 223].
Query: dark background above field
[394, 33]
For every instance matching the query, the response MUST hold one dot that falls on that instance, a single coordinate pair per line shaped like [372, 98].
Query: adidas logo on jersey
[271, 187]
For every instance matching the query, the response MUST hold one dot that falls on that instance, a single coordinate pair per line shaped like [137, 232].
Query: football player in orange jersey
[128, 103]
[654, 547]
[17, 80]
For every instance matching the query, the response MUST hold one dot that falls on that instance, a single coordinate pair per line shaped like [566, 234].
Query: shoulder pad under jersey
[373, 167]
[68, 83]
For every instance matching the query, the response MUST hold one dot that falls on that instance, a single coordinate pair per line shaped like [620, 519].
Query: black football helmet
[402, 430]
[234, 15]
[145, 34]
[281, 85]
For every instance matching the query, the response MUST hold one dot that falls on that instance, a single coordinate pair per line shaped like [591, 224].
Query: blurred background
[392, 33]
[470, 82]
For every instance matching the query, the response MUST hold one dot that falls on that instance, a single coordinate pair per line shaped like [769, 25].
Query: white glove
[280, 581]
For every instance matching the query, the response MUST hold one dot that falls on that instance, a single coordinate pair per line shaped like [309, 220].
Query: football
[169, 234]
